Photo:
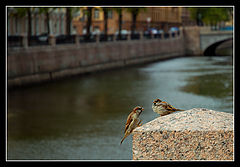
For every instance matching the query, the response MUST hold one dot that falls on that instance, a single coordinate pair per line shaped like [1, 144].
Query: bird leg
[139, 123]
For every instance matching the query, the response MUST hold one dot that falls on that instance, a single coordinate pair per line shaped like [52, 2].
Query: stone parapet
[43, 63]
[196, 134]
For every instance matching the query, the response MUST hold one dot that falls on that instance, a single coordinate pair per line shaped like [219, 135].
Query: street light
[199, 19]
[148, 21]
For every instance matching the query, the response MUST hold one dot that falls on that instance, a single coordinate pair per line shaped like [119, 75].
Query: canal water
[83, 118]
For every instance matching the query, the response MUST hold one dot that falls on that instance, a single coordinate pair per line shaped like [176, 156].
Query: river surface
[83, 118]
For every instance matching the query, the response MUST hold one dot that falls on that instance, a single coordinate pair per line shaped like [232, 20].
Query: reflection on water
[83, 118]
[216, 85]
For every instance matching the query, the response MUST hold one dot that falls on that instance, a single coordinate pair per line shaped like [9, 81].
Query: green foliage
[211, 15]
[136, 10]
[106, 9]
[20, 12]
[46, 10]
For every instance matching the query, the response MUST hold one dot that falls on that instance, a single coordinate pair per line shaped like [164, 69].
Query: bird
[163, 108]
[133, 121]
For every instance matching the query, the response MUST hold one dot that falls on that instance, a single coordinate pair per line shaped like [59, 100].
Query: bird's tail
[124, 138]
[179, 110]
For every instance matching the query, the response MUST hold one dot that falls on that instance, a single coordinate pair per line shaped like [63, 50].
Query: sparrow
[163, 108]
[133, 121]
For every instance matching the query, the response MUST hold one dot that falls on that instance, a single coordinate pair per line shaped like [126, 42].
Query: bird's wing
[129, 120]
[169, 107]
[163, 103]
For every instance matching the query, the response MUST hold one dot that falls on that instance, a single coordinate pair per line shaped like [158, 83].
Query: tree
[21, 12]
[47, 12]
[68, 20]
[69, 15]
[105, 13]
[134, 12]
[88, 12]
[119, 11]
[210, 15]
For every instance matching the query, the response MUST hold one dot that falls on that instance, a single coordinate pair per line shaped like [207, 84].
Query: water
[83, 118]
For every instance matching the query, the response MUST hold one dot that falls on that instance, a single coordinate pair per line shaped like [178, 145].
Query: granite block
[196, 134]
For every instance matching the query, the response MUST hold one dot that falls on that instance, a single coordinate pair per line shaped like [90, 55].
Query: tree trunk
[134, 19]
[105, 23]
[29, 24]
[68, 21]
[47, 21]
[89, 22]
[120, 24]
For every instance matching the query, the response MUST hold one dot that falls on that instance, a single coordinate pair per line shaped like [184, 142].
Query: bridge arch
[210, 50]
[208, 39]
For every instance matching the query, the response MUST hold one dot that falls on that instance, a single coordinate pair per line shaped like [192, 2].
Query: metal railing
[65, 39]
[15, 41]
[38, 40]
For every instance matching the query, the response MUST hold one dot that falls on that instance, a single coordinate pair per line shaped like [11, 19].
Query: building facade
[17, 22]
[80, 21]
[152, 17]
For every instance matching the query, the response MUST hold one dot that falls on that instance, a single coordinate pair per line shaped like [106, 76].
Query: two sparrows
[133, 121]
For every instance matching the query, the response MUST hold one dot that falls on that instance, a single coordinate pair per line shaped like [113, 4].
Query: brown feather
[129, 120]
[171, 108]
[179, 110]
[125, 136]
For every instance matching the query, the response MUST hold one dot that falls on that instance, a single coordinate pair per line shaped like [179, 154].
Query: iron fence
[135, 36]
[106, 38]
[14, 41]
[38, 40]
[65, 39]
[17, 41]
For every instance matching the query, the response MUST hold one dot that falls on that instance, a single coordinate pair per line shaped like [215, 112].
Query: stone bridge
[209, 40]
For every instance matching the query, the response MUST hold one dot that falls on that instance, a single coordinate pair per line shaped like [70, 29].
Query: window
[46, 25]
[32, 24]
[36, 26]
[110, 13]
[96, 14]
[57, 25]
[8, 26]
[62, 24]
[26, 24]
[16, 26]
[84, 15]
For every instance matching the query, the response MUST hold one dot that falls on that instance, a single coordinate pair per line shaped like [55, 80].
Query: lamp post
[199, 19]
[148, 21]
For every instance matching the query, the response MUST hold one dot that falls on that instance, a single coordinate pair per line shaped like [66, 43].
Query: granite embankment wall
[196, 134]
[27, 65]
